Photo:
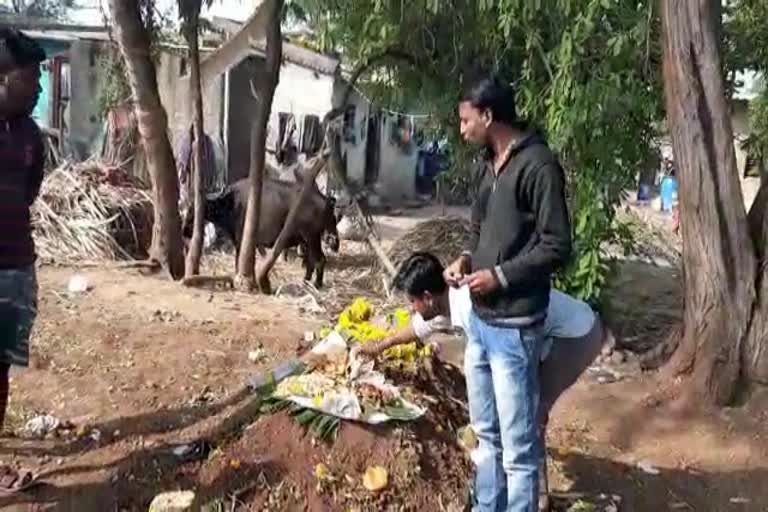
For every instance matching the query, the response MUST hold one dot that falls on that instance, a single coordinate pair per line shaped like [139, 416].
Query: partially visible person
[573, 332]
[22, 159]
[521, 235]
[184, 159]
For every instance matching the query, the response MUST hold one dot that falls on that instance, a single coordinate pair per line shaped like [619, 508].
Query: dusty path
[139, 364]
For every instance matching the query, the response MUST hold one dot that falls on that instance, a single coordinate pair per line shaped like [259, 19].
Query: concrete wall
[302, 91]
[242, 113]
[354, 151]
[740, 117]
[740, 122]
[173, 84]
[397, 170]
[84, 121]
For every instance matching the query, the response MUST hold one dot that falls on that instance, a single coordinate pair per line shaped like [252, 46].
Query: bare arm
[407, 335]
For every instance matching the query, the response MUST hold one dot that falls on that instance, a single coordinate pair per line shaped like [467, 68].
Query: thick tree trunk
[167, 246]
[719, 265]
[265, 86]
[192, 267]
[290, 223]
[755, 352]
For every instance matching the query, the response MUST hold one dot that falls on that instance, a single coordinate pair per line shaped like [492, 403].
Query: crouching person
[573, 332]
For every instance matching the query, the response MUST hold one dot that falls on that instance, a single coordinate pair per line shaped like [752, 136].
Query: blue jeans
[502, 371]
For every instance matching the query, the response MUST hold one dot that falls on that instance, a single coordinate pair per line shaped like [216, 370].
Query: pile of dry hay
[91, 212]
[444, 237]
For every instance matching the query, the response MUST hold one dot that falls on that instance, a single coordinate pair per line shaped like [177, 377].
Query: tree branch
[364, 67]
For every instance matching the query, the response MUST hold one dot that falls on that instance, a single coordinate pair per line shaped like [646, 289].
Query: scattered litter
[209, 235]
[191, 452]
[618, 357]
[467, 438]
[604, 375]
[204, 397]
[291, 290]
[179, 501]
[309, 337]
[41, 426]
[376, 479]
[257, 356]
[369, 398]
[161, 315]
[648, 468]
[323, 474]
[309, 304]
[95, 435]
[78, 284]
[582, 506]
[738, 500]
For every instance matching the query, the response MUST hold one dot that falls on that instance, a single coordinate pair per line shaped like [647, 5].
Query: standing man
[520, 236]
[21, 174]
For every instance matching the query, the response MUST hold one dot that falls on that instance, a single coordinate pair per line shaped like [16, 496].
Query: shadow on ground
[129, 480]
[671, 489]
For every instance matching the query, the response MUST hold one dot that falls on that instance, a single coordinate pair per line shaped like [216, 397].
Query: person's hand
[455, 272]
[369, 350]
[482, 282]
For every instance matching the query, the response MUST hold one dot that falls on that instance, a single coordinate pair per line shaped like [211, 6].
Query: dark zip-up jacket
[520, 231]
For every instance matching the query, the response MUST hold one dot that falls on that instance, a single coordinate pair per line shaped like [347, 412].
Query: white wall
[397, 170]
[302, 91]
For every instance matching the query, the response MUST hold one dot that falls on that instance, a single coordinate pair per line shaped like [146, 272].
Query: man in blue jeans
[520, 235]
[574, 334]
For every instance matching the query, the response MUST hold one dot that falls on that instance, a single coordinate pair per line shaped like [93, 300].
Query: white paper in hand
[460, 302]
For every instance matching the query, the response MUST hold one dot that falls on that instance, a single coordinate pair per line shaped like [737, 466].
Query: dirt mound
[442, 236]
[275, 459]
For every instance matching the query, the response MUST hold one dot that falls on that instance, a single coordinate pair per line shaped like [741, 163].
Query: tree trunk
[196, 244]
[238, 46]
[718, 263]
[290, 223]
[265, 86]
[134, 41]
[755, 353]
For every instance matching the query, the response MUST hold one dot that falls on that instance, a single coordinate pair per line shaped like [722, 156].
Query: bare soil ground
[139, 365]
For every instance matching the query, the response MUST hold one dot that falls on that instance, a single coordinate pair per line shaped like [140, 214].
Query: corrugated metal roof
[304, 57]
[67, 35]
[291, 52]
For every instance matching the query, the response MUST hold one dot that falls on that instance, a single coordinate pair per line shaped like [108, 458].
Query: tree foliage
[586, 72]
[746, 49]
[41, 8]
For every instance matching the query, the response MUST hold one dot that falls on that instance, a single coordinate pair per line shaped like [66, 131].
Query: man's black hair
[489, 92]
[18, 50]
[422, 272]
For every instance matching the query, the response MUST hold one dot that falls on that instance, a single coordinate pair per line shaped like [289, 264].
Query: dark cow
[315, 224]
